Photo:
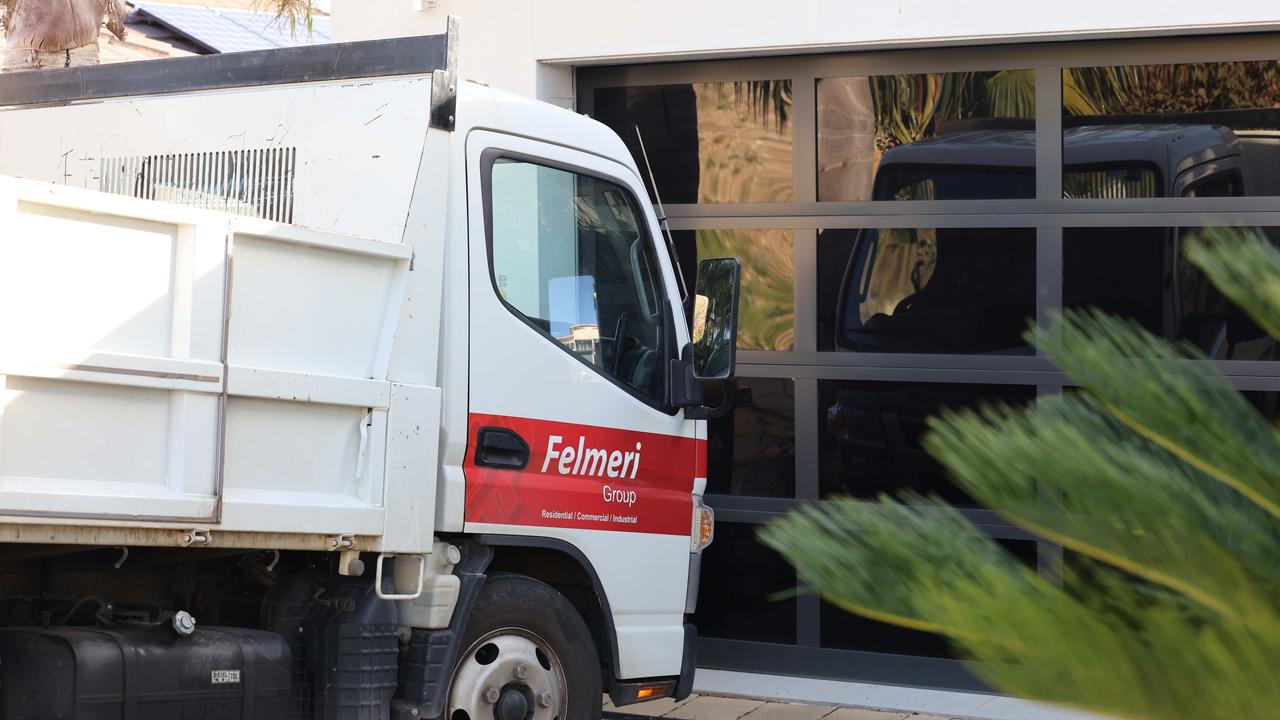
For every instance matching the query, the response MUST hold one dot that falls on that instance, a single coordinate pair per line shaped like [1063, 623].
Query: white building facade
[907, 183]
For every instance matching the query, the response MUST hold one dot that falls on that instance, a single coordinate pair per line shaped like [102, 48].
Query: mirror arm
[683, 389]
[703, 412]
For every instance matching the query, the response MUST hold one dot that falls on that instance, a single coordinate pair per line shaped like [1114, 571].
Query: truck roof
[1169, 145]
[486, 107]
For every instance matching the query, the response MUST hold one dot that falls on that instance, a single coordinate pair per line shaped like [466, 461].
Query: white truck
[334, 387]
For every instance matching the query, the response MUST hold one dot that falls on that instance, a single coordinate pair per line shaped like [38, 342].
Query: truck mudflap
[684, 686]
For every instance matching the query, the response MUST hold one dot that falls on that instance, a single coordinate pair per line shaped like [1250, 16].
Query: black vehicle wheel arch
[607, 635]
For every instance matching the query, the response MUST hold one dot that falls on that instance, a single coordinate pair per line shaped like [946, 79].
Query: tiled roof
[151, 40]
[223, 29]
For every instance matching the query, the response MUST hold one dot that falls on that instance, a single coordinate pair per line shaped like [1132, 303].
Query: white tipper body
[176, 372]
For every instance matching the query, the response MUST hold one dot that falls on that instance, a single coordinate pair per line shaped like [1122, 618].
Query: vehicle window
[937, 290]
[1227, 184]
[569, 256]
[1141, 273]
[1115, 181]
[943, 182]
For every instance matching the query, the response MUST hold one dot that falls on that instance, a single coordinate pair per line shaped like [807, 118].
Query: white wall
[526, 45]
[497, 39]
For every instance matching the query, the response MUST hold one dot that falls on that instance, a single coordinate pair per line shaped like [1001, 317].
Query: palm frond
[1011, 94]
[1246, 266]
[1160, 481]
[1172, 395]
[1180, 528]
[290, 11]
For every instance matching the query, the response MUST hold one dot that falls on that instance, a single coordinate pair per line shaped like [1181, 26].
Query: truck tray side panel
[170, 364]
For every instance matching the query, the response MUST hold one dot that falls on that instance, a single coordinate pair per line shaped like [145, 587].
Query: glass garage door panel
[845, 631]
[1142, 274]
[926, 290]
[1134, 131]
[932, 136]
[767, 307]
[739, 579]
[714, 142]
[752, 449]
[870, 435]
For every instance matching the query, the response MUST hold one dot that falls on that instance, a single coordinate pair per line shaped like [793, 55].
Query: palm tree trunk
[44, 34]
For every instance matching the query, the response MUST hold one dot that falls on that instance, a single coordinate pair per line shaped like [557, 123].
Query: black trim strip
[611, 632]
[313, 63]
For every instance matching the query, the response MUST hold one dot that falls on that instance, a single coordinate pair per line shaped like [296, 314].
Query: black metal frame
[434, 55]
[1048, 212]
[564, 547]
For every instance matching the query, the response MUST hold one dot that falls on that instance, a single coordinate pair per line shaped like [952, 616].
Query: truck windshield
[905, 181]
[938, 290]
[902, 181]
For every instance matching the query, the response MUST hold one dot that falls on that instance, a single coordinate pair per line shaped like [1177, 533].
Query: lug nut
[183, 623]
[545, 698]
[522, 671]
[491, 694]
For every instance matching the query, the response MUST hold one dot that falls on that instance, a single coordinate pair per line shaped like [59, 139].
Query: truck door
[571, 437]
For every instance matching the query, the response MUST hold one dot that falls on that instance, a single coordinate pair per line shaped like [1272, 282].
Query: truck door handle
[501, 448]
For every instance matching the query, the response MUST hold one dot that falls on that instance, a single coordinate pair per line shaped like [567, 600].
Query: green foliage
[766, 306]
[1159, 480]
[908, 107]
[1191, 87]
[767, 100]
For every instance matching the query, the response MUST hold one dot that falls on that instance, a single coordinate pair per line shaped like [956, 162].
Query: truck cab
[389, 370]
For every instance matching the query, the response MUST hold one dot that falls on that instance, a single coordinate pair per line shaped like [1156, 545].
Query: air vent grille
[257, 182]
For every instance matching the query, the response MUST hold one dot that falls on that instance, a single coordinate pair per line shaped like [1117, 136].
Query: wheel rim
[509, 674]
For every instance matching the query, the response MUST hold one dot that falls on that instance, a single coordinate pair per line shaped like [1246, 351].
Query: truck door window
[568, 256]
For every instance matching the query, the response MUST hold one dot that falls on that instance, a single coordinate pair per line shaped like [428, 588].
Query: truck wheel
[528, 656]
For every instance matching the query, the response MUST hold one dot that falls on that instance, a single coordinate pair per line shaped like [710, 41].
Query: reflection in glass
[752, 449]
[571, 257]
[766, 303]
[1267, 403]
[937, 136]
[845, 631]
[725, 142]
[573, 315]
[715, 318]
[739, 578]
[1165, 127]
[871, 431]
[1141, 273]
[926, 290]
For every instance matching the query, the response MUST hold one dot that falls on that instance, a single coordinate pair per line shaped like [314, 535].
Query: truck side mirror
[715, 318]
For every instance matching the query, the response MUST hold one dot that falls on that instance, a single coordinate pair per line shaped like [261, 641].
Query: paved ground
[715, 707]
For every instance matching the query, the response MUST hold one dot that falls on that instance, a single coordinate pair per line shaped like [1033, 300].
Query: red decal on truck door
[587, 477]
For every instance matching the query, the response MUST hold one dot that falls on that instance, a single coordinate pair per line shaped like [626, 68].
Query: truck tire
[527, 655]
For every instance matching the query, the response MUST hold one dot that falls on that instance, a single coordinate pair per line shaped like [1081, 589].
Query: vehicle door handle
[501, 448]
